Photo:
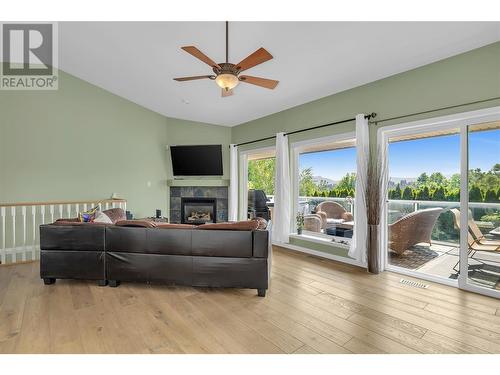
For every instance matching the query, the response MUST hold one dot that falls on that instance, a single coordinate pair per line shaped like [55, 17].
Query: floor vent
[414, 284]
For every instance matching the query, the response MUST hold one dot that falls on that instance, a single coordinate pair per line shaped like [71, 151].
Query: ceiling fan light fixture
[227, 81]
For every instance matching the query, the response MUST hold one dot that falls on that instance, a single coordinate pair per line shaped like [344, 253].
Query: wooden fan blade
[256, 58]
[201, 56]
[227, 93]
[263, 82]
[180, 79]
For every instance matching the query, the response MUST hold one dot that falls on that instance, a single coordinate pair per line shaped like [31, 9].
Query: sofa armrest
[260, 243]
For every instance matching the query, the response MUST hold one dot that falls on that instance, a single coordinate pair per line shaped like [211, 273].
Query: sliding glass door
[423, 194]
[481, 250]
[441, 220]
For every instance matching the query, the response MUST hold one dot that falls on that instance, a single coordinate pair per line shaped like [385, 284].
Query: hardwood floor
[313, 306]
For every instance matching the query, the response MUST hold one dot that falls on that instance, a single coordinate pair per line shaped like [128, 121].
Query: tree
[397, 192]
[423, 194]
[422, 180]
[261, 175]
[490, 196]
[454, 182]
[407, 194]
[347, 182]
[307, 187]
[438, 194]
[475, 194]
[437, 179]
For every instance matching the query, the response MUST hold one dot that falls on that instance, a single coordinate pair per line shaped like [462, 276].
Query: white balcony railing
[19, 223]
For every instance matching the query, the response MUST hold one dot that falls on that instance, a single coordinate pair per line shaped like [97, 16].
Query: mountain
[402, 181]
[329, 182]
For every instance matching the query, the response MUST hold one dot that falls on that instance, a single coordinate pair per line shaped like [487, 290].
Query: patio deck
[439, 259]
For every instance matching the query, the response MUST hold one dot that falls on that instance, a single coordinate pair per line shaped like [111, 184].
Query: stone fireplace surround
[217, 192]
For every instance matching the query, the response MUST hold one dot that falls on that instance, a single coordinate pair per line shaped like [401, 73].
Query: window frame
[244, 158]
[296, 149]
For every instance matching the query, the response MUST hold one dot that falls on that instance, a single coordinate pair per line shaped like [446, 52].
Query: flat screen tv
[199, 160]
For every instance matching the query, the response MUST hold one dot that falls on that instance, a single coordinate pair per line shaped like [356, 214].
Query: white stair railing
[19, 223]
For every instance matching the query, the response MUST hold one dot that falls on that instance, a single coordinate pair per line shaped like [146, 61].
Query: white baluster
[33, 218]
[51, 211]
[68, 210]
[23, 214]
[2, 250]
[60, 211]
[42, 214]
[125, 206]
[107, 205]
[85, 207]
[13, 214]
[77, 208]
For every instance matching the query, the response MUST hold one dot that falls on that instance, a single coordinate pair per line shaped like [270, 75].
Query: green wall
[82, 142]
[464, 78]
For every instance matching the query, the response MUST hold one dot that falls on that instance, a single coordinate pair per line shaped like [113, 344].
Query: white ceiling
[137, 60]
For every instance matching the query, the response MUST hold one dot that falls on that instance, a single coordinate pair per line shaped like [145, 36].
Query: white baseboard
[321, 254]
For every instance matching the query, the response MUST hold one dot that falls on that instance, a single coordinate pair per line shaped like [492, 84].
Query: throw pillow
[262, 223]
[116, 214]
[88, 216]
[101, 217]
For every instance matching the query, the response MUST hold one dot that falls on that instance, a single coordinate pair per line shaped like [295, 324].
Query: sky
[411, 158]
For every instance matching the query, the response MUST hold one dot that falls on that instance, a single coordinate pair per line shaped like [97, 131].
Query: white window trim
[458, 121]
[296, 149]
[243, 161]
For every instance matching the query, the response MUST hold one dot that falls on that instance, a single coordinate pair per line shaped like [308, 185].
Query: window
[325, 187]
[258, 182]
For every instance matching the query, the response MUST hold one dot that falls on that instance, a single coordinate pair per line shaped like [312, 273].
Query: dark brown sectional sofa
[111, 254]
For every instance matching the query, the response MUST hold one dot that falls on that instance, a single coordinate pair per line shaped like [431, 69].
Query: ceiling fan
[227, 75]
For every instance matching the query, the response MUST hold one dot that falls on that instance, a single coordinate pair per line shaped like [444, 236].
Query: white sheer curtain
[382, 166]
[233, 183]
[358, 248]
[282, 202]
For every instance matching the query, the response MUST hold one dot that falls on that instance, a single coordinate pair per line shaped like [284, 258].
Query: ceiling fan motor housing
[226, 68]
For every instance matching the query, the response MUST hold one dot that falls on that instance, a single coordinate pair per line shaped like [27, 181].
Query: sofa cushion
[235, 225]
[72, 236]
[126, 239]
[136, 223]
[228, 243]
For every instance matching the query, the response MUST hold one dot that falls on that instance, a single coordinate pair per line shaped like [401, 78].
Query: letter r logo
[27, 49]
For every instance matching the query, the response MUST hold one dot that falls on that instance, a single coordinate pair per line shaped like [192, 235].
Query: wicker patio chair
[412, 229]
[312, 223]
[334, 211]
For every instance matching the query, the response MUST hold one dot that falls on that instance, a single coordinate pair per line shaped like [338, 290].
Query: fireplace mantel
[197, 182]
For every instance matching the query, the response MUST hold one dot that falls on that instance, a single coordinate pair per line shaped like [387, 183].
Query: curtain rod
[376, 122]
[371, 115]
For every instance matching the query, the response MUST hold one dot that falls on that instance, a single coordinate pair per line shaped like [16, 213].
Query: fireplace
[198, 210]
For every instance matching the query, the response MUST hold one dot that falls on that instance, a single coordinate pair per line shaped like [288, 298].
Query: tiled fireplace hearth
[177, 193]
